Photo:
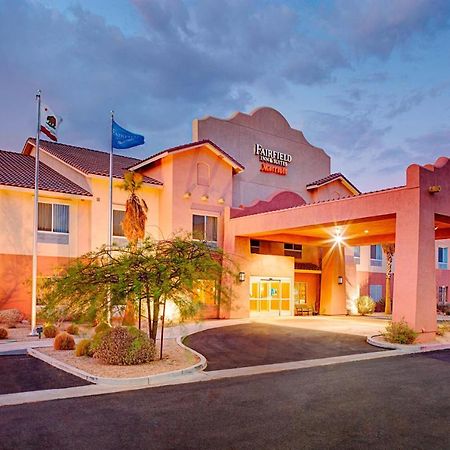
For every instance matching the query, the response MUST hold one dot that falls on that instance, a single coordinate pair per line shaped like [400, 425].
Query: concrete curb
[377, 341]
[135, 381]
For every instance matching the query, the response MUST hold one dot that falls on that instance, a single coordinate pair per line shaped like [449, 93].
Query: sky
[366, 80]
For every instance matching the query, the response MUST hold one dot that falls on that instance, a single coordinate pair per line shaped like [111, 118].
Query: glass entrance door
[270, 296]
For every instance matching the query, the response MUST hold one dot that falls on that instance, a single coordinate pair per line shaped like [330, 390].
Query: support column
[333, 298]
[415, 269]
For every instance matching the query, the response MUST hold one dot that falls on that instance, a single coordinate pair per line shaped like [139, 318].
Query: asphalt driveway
[22, 373]
[259, 343]
[389, 403]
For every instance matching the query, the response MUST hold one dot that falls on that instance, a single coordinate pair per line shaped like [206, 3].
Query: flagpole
[110, 208]
[36, 219]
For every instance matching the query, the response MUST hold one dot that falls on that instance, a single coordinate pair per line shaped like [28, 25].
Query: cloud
[377, 28]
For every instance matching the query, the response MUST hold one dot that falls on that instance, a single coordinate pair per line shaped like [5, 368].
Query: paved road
[389, 403]
[25, 373]
[258, 343]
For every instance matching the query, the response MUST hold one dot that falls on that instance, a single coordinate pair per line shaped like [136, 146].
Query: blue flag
[122, 138]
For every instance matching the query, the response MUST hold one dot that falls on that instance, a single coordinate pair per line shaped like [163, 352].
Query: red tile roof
[330, 178]
[90, 162]
[17, 170]
[156, 156]
[305, 266]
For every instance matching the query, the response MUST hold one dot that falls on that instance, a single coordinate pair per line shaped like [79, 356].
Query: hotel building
[253, 185]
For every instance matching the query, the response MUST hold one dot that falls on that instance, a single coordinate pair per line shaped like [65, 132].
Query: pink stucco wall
[267, 127]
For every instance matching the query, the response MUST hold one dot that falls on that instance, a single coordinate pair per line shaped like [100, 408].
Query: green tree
[389, 251]
[159, 271]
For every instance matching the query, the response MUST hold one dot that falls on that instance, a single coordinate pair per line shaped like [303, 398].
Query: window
[294, 250]
[376, 292]
[442, 295]
[118, 217]
[357, 254]
[202, 174]
[204, 228]
[442, 257]
[53, 218]
[376, 255]
[255, 246]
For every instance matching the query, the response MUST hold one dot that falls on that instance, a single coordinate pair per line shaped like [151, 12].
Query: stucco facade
[253, 185]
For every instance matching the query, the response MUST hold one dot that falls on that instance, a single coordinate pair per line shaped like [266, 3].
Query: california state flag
[49, 123]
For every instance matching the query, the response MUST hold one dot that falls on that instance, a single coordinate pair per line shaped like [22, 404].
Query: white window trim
[49, 202]
[117, 208]
[203, 214]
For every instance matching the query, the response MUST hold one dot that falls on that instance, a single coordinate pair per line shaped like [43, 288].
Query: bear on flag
[49, 123]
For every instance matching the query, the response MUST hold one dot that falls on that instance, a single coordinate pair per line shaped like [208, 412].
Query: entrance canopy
[412, 216]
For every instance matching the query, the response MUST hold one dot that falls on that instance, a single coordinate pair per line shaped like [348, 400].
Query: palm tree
[389, 250]
[133, 226]
[136, 209]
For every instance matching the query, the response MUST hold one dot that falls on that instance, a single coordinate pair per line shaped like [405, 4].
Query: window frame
[52, 232]
[293, 250]
[119, 209]
[443, 265]
[376, 262]
[205, 220]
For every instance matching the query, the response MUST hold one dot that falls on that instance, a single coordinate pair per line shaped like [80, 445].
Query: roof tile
[17, 170]
[91, 162]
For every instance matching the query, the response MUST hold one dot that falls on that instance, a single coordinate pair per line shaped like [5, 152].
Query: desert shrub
[125, 346]
[83, 348]
[400, 333]
[3, 333]
[50, 331]
[73, 329]
[64, 341]
[101, 327]
[365, 305]
[442, 328]
[10, 316]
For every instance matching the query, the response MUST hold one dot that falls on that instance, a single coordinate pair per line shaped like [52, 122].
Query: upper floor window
[357, 254]
[204, 228]
[255, 246]
[53, 218]
[118, 216]
[294, 250]
[202, 174]
[442, 257]
[376, 255]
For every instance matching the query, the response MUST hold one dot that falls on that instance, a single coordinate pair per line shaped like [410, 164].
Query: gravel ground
[174, 358]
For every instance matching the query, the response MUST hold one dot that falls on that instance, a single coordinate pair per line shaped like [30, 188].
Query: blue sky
[368, 81]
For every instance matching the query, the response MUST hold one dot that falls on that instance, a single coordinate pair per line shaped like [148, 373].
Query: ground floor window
[442, 294]
[300, 290]
[376, 292]
[206, 292]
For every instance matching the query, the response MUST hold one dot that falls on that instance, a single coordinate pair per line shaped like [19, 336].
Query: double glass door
[270, 295]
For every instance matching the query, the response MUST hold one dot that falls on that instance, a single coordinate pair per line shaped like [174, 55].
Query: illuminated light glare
[366, 231]
[338, 239]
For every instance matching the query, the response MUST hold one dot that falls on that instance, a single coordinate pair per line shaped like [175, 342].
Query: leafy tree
[159, 271]
[389, 251]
